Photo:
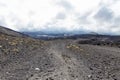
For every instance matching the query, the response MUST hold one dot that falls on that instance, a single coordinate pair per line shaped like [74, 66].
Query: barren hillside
[25, 58]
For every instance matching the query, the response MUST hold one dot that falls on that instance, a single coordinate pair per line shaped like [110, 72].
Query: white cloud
[65, 15]
[115, 7]
[39, 12]
[83, 6]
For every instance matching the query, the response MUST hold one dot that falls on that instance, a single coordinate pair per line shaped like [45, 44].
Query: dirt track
[63, 60]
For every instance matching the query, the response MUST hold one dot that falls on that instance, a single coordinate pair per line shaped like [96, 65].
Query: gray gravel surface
[62, 60]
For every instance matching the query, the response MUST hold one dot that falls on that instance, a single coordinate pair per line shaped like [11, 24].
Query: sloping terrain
[10, 32]
[100, 42]
[24, 58]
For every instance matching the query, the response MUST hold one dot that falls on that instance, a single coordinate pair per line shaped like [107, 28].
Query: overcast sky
[102, 16]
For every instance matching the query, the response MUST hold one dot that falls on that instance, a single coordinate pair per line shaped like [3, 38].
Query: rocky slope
[25, 58]
[10, 32]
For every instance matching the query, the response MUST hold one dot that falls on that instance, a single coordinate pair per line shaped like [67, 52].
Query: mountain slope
[10, 32]
[25, 58]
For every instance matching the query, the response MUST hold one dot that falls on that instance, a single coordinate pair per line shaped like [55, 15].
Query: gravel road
[62, 60]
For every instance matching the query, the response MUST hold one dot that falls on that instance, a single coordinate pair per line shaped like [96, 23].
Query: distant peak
[93, 33]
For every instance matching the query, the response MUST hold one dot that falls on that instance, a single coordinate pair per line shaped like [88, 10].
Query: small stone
[89, 76]
[37, 69]
[7, 72]
[0, 46]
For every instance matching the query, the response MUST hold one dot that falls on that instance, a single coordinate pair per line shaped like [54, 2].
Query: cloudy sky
[101, 16]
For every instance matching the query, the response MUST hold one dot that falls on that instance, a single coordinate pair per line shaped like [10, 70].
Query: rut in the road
[69, 64]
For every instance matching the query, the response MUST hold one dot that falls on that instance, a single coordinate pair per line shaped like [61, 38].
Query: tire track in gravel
[70, 64]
